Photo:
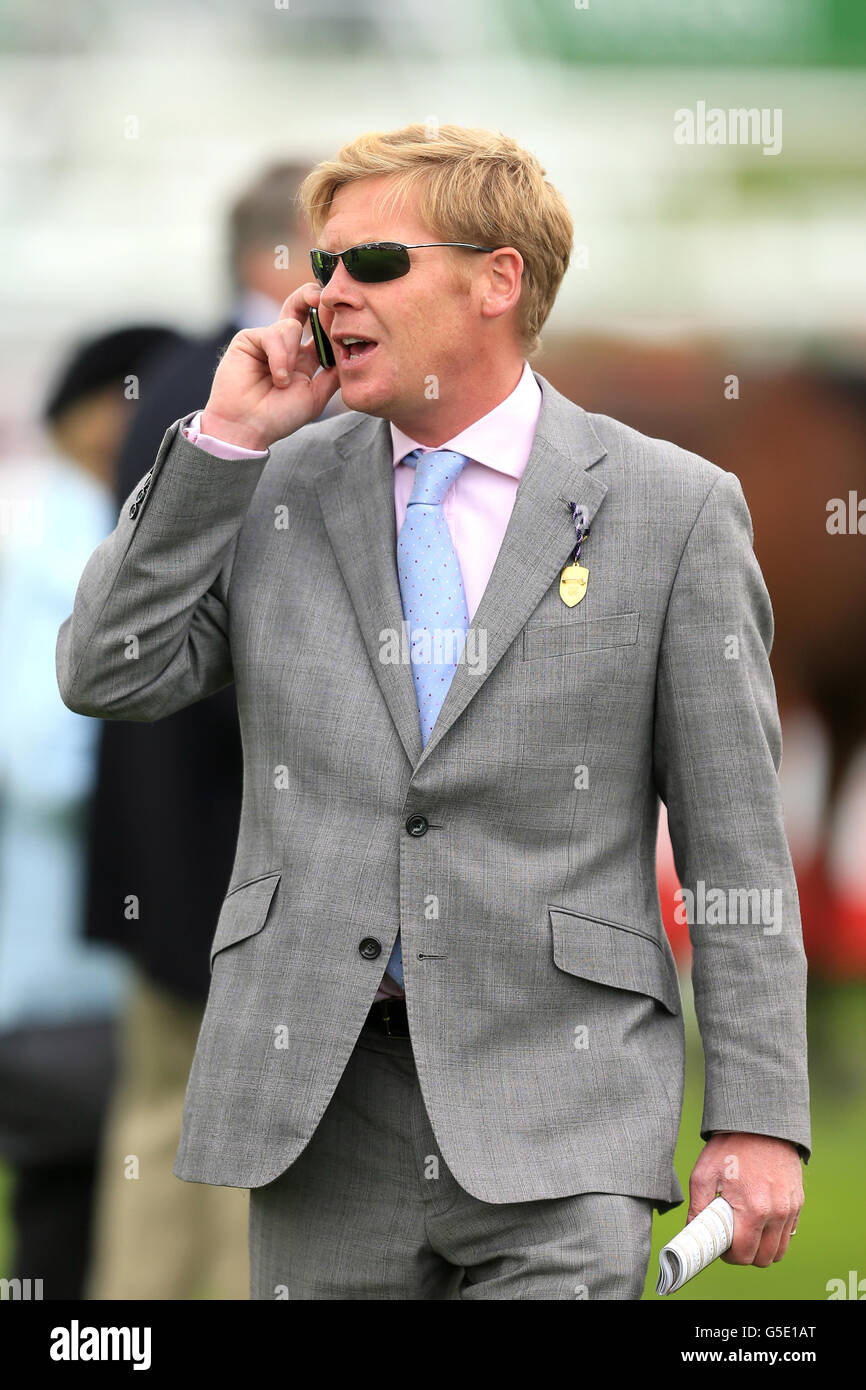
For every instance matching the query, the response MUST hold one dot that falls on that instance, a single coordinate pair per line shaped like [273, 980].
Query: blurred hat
[104, 360]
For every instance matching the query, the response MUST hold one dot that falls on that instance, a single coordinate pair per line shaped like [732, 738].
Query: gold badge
[572, 584]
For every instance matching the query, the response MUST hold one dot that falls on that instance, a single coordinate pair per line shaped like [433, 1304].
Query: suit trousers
[370, 1210]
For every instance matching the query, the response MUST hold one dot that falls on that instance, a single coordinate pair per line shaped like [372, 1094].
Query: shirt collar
[501, 439]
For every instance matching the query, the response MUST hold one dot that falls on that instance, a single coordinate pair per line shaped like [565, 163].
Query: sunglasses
[376, 261]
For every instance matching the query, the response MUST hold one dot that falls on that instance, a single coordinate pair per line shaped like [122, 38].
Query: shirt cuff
[218, 447]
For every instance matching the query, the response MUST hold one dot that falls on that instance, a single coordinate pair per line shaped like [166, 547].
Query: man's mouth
[354, 350]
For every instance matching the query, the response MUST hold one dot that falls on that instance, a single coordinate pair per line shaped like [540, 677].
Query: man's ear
[503, 280]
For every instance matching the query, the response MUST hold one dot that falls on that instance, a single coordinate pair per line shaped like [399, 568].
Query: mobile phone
[323, 343]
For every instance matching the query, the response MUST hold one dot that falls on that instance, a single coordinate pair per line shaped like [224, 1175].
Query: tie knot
[434, 473]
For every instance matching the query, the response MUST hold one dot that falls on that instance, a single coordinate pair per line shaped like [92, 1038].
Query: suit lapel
[357, 501]
[358, 494]
[538, 542]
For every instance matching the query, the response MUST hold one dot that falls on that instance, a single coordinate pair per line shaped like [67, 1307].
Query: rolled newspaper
[705, 1238]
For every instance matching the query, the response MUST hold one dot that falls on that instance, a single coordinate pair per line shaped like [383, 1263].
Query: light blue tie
[434, 600]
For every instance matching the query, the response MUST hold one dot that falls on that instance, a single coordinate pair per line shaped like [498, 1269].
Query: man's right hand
[267, 385]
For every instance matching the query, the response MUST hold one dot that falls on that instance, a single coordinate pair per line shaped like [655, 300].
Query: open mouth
[355, 350]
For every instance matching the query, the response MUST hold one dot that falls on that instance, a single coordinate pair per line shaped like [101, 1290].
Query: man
[496, 1116]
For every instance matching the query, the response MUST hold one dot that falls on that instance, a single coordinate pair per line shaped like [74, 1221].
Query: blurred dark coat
[165, 812]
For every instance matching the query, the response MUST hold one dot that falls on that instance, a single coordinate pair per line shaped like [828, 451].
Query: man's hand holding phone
[268, 384]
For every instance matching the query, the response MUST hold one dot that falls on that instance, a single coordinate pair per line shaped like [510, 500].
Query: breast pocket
[244, 911]
[613, 954]
[576, 635]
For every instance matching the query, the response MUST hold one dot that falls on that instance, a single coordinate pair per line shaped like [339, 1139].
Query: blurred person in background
[164, 827]
[59, 994]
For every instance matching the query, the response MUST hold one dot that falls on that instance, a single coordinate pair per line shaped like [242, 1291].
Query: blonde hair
[474, 185]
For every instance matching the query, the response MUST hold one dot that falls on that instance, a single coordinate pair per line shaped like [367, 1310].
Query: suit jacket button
[133, 511]
[370, 948]
[417, 825]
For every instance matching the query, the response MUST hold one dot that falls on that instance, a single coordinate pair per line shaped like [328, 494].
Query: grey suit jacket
[543, 997]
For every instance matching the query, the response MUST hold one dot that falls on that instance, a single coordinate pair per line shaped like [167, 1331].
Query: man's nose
[341, 289]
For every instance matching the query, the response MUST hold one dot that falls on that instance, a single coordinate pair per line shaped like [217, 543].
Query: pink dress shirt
[477, 507]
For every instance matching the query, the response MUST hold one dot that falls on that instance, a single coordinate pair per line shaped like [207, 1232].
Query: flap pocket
[244, 911]
[615, 955]
[572, 637]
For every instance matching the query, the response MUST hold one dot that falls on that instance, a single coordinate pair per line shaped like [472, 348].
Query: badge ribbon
[573, 580]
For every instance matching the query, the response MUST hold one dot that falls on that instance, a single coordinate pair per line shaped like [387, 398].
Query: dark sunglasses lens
[373, 264]
[323, 265]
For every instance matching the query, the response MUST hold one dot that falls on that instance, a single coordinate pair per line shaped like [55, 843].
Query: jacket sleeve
[717, 750]
[148, 633]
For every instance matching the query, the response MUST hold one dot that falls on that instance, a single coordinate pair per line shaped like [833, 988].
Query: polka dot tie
[434, 600]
